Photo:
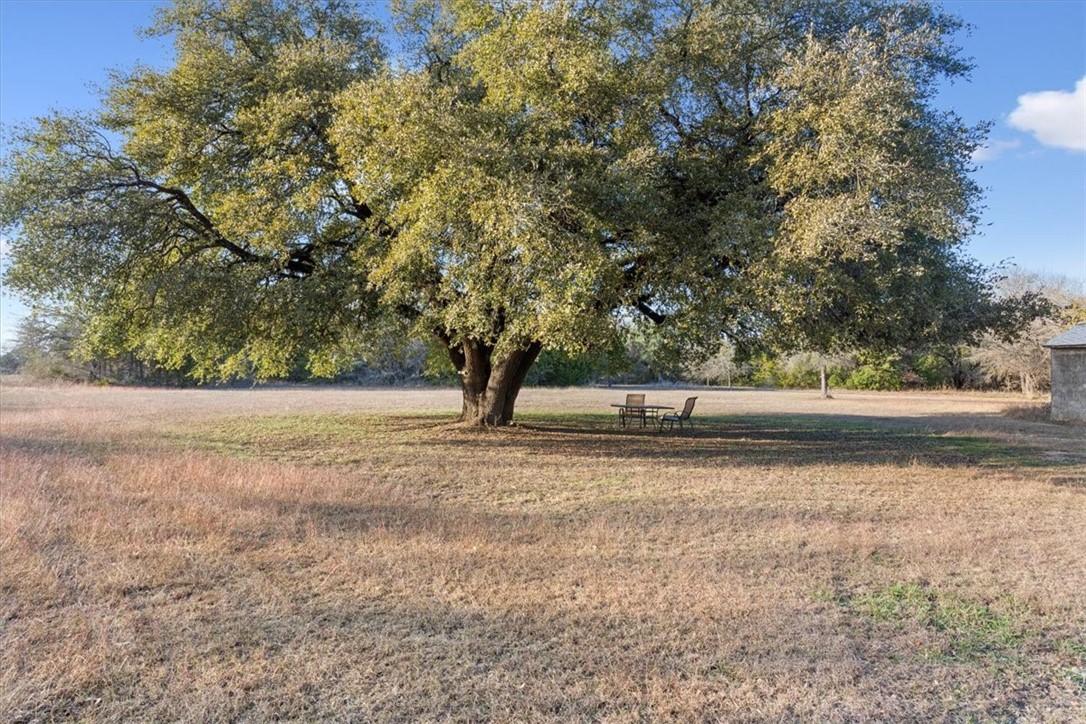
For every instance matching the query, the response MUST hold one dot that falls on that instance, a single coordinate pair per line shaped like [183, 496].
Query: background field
[346, 553]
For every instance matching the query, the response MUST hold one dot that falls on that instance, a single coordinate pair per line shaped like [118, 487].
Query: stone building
[1068, 353]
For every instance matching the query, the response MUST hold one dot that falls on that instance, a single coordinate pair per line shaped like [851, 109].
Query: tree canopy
[513, 175]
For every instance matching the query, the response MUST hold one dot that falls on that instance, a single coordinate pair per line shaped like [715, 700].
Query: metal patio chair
[680, 417]
[624, 414]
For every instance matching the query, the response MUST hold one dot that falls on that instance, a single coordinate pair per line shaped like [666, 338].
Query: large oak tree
[516, 175]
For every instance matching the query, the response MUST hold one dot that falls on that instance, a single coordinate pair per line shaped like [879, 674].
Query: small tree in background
[928, 296]
[720, 369]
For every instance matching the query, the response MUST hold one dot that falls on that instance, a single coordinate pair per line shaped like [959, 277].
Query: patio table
[644, 410]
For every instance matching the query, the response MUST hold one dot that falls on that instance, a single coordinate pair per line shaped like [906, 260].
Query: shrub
[932, 370]
[877, 374]
[765, 371]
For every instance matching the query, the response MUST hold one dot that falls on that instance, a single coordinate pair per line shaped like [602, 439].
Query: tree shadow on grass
[772, 441]
[768, 441]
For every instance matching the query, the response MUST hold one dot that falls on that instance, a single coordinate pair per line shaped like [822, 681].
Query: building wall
[1069, 384]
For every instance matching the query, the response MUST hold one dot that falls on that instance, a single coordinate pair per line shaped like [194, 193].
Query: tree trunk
[824, 383]
[490, 385]
[1027, 385]
[959, 373]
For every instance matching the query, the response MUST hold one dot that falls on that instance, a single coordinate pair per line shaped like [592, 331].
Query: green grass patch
[971, 631]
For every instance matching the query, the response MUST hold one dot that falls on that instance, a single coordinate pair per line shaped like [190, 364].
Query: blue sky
[1030, 60]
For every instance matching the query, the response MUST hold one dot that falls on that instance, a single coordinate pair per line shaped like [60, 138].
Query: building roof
[1074, 337]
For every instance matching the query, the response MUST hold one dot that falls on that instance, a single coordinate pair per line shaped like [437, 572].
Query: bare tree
[721, 368]
[1022, 363]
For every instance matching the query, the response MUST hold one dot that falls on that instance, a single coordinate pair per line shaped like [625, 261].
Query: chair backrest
[688, 408]
[635, 399]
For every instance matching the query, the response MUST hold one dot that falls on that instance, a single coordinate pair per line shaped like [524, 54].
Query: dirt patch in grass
[347, 554]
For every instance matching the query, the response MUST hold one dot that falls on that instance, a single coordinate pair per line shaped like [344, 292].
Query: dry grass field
[350, 554]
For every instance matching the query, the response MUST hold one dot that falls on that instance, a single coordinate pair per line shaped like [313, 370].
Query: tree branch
[642, 306]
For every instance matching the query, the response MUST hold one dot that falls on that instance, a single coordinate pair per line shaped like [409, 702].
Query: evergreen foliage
[521, 178]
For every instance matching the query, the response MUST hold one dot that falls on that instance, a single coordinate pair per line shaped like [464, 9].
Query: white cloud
[1055, 118]
[993, 150]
